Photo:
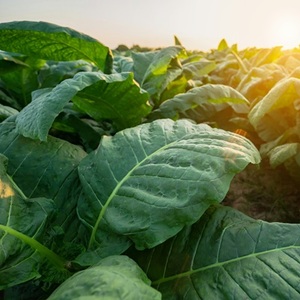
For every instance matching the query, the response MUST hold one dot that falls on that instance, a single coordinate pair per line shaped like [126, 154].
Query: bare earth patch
[265, 193]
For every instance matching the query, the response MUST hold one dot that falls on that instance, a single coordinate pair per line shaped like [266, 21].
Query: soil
[265, 193]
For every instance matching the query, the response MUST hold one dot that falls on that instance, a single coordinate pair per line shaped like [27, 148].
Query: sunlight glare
[5, 190]
[286, 32]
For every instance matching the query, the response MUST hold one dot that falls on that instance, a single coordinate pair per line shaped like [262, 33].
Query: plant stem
[56, 260]
[242, 65]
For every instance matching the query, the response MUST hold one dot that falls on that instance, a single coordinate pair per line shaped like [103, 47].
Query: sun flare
[286, 32]
[5, 190]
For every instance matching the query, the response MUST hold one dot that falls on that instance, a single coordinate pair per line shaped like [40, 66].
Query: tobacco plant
[114, 166]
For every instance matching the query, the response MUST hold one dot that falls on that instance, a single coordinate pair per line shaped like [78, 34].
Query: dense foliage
[114, 166]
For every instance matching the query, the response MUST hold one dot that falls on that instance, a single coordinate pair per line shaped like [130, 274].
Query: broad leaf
[227, 71]
[289, 155]
[277, 111]
[55, 72]
[290, 61]
[156, 70]
[180, 85]
[123, 64]
[141, 62]
[226, 255]
[23, 81]
[53, 42]
[71, 123]
[18, 261]
[7, 99]
[6, 111]
[146, 183]
[196, 70]
[214, 103]
[44, 170]
[280, 154]
[115, 97]
[260, 80]
[265, 56]
[10, 62]
[115, 277]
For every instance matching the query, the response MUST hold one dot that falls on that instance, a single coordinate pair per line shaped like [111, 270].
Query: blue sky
[198, 24]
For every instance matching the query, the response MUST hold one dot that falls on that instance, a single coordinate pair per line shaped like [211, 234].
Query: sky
[199, 24]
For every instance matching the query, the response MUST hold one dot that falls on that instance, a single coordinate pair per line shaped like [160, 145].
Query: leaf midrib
[220, 264]
[115, 190]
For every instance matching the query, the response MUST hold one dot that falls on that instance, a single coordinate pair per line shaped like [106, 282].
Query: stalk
[56, 260]
[241, 63]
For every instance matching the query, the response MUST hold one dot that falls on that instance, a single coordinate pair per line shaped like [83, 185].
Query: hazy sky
[199, 24]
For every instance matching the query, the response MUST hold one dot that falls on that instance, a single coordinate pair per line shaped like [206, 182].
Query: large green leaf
[265, 56]
[6, 111]
[216, 104]
[53, 42]
[227, 255]
[55, 72]
[18, 261]
[146, 183]
[277, 111]
[282, 153]
[114, 97]
[71, 123]
[196, 69]
[10, 62]
[44, 170]
[23, 81]
[259, 81]
[201, 103]
[141, 62]
[276, 119]
[157, 69]
[7, 99]
[122, 64]
[115, 277]
[289, 155]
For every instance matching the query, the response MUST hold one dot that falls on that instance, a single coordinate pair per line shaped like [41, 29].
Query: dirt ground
[267, 194]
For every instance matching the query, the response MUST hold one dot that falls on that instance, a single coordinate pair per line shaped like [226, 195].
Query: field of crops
[147, 173]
